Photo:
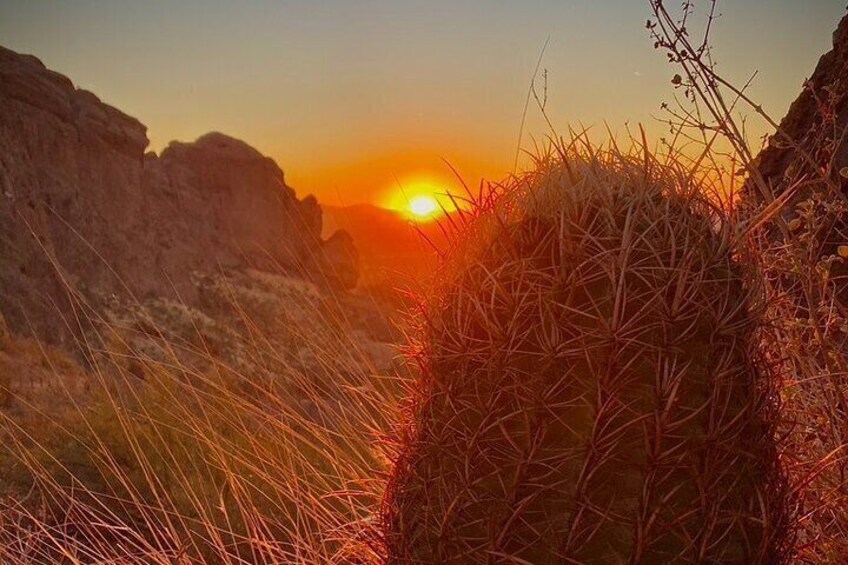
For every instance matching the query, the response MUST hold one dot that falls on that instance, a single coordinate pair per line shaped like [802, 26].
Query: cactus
[590, 390]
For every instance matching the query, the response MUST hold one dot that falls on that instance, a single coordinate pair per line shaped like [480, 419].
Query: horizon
[358, 111]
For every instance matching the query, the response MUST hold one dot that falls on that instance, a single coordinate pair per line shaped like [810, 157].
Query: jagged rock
[824, 93]
[312, 217]
[337, 261]
[814, 165]
[86, 215]
[226, 206]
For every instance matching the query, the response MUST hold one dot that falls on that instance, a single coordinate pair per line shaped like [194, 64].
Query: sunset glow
[423, 282]
[404, 80]
[423, 206]
[421, 197]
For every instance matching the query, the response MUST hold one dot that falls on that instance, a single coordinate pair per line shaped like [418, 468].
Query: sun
[423, 206]
[420, 198]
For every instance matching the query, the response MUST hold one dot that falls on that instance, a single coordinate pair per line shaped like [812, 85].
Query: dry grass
[158, 460]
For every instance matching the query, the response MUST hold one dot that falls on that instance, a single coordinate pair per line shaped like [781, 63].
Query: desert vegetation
[630, 352]
[791, 204]
[590, 389]
[181, 456]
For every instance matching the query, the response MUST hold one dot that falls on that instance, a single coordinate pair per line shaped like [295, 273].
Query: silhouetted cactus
[589, 389]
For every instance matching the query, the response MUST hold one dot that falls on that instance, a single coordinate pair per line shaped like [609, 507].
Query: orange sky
[354, 99]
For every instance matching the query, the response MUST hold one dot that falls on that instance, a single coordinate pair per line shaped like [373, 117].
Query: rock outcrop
[815, 121]
[805, 267]
[808, 158]
[86, 216]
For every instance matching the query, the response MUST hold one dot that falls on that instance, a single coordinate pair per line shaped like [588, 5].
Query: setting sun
[423, 206]
[420, 198]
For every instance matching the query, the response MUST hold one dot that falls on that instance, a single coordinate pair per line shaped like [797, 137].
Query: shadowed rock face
[826, 91]
[814, 166]
[82, 206]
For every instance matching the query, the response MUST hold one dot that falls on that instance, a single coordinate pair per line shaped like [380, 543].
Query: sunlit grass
[143, 460]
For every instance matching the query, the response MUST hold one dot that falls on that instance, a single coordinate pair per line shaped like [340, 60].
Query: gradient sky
[353, 97]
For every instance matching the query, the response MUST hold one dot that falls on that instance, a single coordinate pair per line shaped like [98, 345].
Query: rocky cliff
[87, 217]
[816, 121]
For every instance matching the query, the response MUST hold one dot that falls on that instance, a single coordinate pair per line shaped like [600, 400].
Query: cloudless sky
[352, 97]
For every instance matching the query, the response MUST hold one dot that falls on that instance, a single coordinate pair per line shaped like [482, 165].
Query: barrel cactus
[590, 391]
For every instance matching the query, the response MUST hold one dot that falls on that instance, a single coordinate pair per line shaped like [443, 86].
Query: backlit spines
[589, 388]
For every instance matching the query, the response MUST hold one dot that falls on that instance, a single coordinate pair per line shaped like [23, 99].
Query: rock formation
[815, 121]
[86, 216]
[805, 266]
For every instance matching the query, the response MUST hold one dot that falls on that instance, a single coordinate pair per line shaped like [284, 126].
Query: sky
[357, 100]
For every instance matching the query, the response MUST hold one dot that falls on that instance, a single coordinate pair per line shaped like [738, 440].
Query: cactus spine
[589, 390]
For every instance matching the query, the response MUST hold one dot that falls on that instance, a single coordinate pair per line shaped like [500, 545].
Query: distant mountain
[381, 231]
[392, 249]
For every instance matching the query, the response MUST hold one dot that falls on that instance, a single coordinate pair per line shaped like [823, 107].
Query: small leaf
[795, 224]
[677, 80]
[843, 172]
[842, 250]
